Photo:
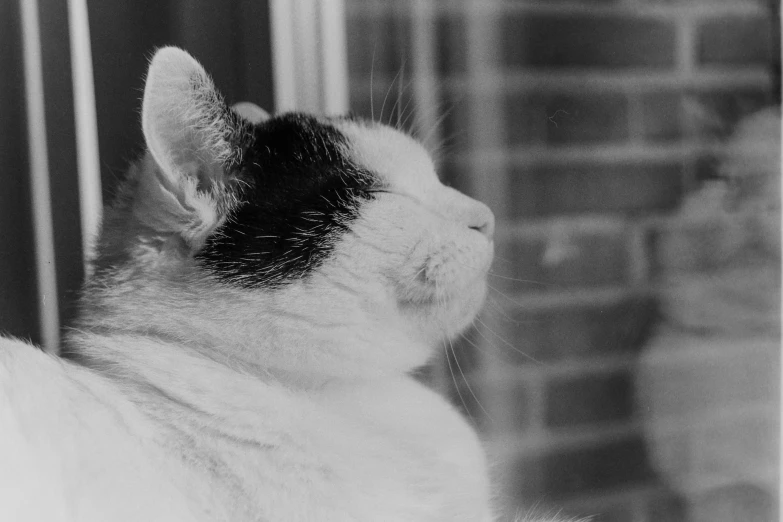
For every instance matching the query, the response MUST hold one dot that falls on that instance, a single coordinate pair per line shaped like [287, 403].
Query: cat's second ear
[250, 112]
[189, 130]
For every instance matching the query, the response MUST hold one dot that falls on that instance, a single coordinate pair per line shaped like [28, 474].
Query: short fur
[230, 364]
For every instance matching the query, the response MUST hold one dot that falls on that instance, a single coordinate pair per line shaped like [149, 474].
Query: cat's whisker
[402, 87]
[436, 124]
[505, 342]
[454, 380]
[467, 384]
[507, 278]
[440, 149]
[388, 91]
[518, 280]
[480, 348]
[490, 344]
[501, 293]
[411, 113]
[505, 260]
[401, 113]
[500, 309]
[400, 93]
[408, 117]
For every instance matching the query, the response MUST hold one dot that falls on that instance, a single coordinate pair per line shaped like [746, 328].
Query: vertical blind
[69, 105]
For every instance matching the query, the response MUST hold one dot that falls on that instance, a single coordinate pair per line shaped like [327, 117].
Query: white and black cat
[263, 287]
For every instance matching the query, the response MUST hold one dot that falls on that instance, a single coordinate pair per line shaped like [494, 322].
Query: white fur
[209, 402]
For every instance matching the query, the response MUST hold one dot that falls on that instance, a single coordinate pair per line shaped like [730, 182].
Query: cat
[262, 290]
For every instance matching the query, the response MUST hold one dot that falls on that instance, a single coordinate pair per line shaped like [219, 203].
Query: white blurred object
[753, 164]
[39, 177]
[722, 264]
[709, 382]
[90, 199]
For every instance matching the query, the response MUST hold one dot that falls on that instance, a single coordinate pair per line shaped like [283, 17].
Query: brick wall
[584, 124]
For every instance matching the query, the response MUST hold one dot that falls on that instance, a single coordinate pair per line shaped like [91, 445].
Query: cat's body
[189, 439]
[263, 289]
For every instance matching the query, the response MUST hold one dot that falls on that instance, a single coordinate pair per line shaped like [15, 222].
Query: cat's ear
[187, 126]
[250, 112]
[194, 139]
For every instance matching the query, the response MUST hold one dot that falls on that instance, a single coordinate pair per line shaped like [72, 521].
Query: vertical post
[308, 56]
[283, 55]
[90, 200]
[334, 56]
[39, 177]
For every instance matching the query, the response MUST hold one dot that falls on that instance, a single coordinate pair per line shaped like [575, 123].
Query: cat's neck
[303, 335]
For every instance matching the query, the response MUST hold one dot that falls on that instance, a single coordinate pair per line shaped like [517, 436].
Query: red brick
[603, 467]
[566, 118]
[580, 332]
[597, 188]
[598, 260]
[545, 40]
[735, 41]
[590, 399]
[661, 116]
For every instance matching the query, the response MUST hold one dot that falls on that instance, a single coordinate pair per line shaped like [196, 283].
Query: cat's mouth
[435, 288]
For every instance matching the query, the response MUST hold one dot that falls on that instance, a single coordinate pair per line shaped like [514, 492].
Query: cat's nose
[482, 220]
[466, 210]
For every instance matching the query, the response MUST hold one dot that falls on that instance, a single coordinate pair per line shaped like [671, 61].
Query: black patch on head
[299, 193]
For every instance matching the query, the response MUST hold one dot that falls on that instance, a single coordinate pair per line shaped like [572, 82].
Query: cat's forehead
[343, 146]
[394, 157]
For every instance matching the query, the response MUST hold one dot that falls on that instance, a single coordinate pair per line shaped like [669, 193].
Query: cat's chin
[439, 318]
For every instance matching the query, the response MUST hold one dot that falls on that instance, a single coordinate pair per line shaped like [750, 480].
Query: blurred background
[627, 364]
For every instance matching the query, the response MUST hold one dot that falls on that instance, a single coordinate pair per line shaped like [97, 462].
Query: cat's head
[338, 221]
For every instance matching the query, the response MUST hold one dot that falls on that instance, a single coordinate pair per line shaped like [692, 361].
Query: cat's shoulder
[69, 432]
